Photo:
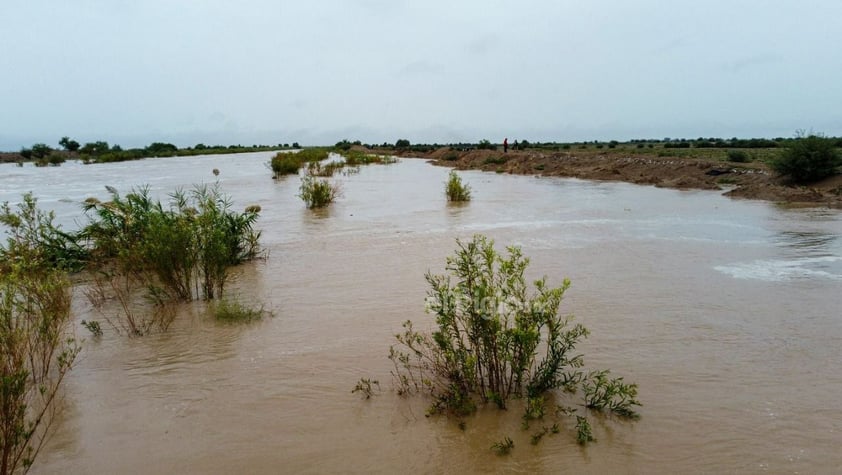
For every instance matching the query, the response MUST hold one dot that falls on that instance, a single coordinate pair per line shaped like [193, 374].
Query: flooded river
[728, 314]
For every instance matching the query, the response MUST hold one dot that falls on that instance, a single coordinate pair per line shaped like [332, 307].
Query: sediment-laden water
[728, 314]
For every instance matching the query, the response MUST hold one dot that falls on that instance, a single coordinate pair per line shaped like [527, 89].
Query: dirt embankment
[739, 180]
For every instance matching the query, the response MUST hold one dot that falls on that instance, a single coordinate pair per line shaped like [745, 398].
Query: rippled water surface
[726, 313]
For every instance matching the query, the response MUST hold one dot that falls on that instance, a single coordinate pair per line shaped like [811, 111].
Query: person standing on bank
[506, 145]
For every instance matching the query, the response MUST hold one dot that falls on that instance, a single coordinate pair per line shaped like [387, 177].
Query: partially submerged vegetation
[289, 163]
[36, 348]
[137, 250]
[496, 341]
[176, 253]
[318, 192]
[232, 310]
[455, 189]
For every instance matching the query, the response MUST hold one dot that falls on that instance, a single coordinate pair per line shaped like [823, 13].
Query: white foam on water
[784, 270]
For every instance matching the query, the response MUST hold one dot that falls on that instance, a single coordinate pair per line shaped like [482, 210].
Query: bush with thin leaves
[317, 193]
[455, 189]
[178, 252]
[496, 340]
[35, 348]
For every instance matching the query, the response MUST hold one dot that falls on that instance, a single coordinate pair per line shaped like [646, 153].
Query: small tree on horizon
[68, 144]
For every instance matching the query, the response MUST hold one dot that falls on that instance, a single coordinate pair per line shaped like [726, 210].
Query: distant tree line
[101, 151]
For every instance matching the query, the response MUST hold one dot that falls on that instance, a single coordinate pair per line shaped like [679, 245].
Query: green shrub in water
[317, 193]
[35, 348]
[455, 189]
[495, 340]
[180, 251]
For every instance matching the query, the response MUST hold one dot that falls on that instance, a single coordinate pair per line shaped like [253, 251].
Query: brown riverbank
[753, 180]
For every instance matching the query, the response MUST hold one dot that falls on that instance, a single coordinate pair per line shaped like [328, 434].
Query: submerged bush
[495, 341]
[807, 159]
[455, 189]
[179, 252]
[35, 348]
[285, 163]
[317, 193]
[288, 163]
[31, 227]
[228, 310]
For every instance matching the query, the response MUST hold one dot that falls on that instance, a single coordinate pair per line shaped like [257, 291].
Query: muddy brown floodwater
[726, 313]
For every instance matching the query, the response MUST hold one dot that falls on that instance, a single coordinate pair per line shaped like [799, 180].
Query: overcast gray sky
[318, 71]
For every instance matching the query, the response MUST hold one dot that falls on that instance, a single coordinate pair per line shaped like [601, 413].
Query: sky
[319, 71]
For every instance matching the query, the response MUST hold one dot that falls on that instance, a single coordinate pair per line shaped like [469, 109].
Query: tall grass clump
[808, 158]
[317, 193]
[177, 252]
[496, 340]
[35, 348]
[455, 189]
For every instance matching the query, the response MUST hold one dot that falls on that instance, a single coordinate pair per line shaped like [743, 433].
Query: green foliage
[484, 144]
[355, 158]
[602, 392]
[55, 159]
[534, 410]
[94, 148]
[455, 189]
[68, 144]
[33, 228]
[313, 154]
[495, 341]
[402, 143]
[584, 433]
[739, 156]
[228, 310]
[503, 447]
[93, 326]
[176, 252]
[365, 387]
[317, 193]
[35, 349]
[41, 150]
[285, 163]
[324, 170]
[537, 436]
[807, 159]
[161, 149]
